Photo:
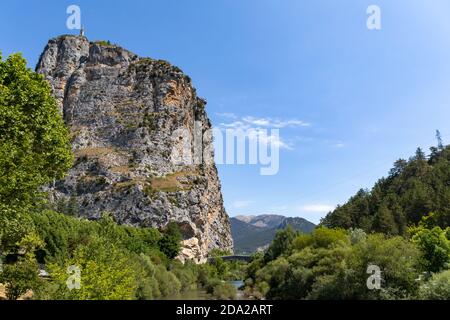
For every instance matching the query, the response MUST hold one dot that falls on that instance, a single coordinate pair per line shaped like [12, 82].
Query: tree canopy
[34, 142]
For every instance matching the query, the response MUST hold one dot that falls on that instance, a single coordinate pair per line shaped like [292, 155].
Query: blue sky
[369, 97]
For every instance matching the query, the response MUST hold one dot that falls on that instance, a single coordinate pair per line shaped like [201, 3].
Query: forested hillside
[413, 189]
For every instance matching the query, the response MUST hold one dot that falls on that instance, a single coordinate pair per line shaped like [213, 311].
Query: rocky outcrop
[123, 112]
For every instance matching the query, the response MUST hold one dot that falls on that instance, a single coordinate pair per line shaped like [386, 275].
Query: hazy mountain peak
[251, 233]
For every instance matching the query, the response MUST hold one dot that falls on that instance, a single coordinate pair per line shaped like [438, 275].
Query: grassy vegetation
[149, 121]
[105, 43]
[124, 184]
[172, 182]
[94, 152]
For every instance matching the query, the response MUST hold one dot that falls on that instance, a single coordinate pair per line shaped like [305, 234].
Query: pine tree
[385, 222]
[72, 207]
[439, 140]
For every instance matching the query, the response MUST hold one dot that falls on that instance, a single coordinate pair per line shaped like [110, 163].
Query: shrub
[437, 288]
[106, 273]
[169, 284]
[224, 291]
[186, 274]
[434, 245]
[21, 276]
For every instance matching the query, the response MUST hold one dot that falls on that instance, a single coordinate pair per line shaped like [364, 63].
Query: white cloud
[257, 133]
[268, 139]
[275, 123]
[316, 208]
[253, 122]
[253, 127]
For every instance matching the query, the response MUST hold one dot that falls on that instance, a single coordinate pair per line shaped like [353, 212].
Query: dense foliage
[333, 264]
[115, 262]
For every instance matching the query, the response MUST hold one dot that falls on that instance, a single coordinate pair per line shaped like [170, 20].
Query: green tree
[225, 291]
[433, 243]
[221, 267]
[437, 288]
[105, 274]
[34, 142]
[170, 243]
[384, 221]
[15, 224]
[23, 275]
[280, 244]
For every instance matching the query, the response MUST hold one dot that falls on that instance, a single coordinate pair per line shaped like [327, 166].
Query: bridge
[232, 258]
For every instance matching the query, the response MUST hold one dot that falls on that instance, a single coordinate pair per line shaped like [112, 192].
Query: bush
[148, 286]
[324, 237]
[224, 291]
[169, 285]
[186, 274]
[437, 288]
[328, 265]
[106, 274]
[205, 273]
[434, 244]
[22, 275]
[211, 284]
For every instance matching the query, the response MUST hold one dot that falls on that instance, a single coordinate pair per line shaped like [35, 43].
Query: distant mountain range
[251, 233]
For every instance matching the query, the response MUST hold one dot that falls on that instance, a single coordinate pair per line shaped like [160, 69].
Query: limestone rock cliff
[122, 111]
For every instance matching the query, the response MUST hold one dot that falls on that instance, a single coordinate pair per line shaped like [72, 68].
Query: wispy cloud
[253, 127]
[279, 208]
[249, 121]
[269, 139]
[336, 144]
[316, 208]
[339, 145]
[275, 123]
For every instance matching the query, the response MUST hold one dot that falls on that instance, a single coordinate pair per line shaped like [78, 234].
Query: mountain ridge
[260, 230]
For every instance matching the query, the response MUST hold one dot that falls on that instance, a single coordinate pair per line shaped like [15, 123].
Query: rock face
[123, 112]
